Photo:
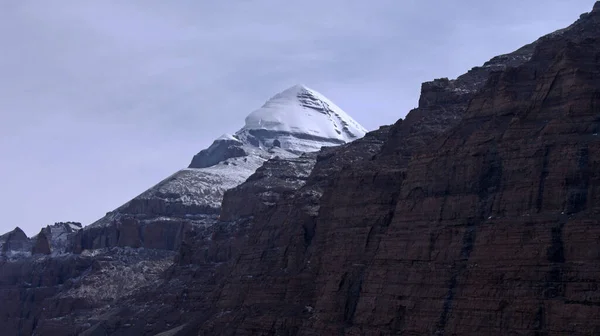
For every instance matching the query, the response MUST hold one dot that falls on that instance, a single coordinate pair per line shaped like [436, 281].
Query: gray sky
[99, 100]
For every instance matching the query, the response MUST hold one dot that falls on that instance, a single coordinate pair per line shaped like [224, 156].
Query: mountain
[294, 121]
[477, 214]
[134, 244]
[302, 120]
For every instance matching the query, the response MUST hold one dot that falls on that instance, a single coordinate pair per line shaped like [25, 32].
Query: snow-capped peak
[293, 122]
[303, 111]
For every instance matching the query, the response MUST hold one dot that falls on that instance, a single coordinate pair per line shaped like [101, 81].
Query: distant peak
[19, 231]
[303, 111]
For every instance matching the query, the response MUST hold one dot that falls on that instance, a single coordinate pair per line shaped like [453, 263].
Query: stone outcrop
[163, 234]
[220, 150]
[15, 241]
[41, 244]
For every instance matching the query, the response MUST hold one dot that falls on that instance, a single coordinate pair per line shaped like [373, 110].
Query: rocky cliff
[475, 215]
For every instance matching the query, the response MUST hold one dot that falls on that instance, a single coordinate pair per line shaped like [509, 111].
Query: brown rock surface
[41, 245]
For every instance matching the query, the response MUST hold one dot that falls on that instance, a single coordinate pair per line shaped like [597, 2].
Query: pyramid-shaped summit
[305, 112]
[292, 122]
[295, 120]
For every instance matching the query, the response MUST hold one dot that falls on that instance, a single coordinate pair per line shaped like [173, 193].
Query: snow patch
[227, 136]
[119, 272]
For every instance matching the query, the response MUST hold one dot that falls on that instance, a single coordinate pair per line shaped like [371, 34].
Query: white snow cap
[300, 110]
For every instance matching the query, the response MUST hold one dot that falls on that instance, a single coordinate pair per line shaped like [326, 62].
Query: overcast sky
[99, 100]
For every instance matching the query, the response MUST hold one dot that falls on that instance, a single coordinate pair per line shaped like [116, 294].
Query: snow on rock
[303, 111]
[58, 235]
[118, 272]
[227, 136]
[192, 192]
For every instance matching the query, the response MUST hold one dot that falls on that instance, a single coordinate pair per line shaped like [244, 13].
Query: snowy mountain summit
[306, 114]
[296, 120]
[292, 122]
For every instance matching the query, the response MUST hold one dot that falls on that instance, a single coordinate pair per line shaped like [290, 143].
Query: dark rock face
[68, 294]
[28, 292]
[41, 245]
[129, 232]
[219, 151]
